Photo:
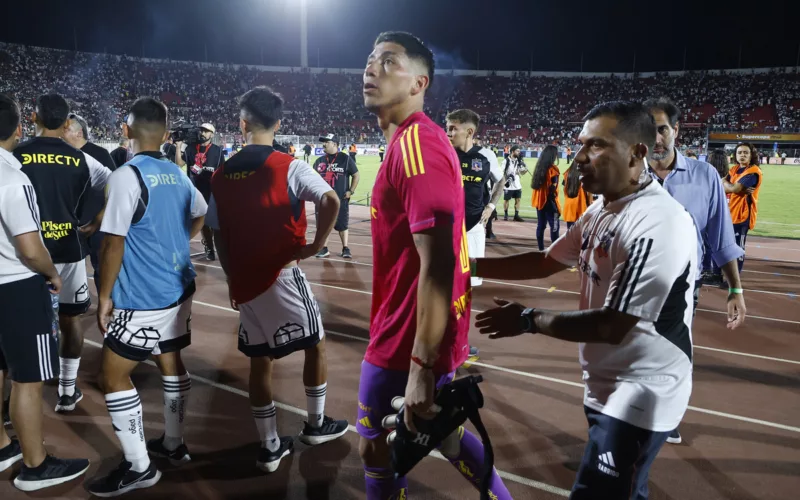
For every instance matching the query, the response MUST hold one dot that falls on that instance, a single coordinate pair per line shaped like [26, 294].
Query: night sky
[544, 35]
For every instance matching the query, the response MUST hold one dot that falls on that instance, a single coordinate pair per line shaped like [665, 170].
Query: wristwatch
[526, 320]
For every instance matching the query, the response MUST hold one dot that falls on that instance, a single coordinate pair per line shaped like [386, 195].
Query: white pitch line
[300, 412]
[758, 356]
[565, 382]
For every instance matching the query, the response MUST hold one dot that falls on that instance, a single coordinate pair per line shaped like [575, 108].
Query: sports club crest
[477, 165]
[605, 244]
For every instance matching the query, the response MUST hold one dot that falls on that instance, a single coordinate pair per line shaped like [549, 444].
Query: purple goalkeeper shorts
[376, 389]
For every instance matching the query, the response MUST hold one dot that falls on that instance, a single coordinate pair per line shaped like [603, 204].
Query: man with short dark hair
[62, 176]
[420, 288]
[27, 346]
[633, 326]
[201, 161]
[513, 169]
[122, 154]
[77, 135]
[478, 167]
[145, 299]
[340, 171]
[257, 212]
[696, 186]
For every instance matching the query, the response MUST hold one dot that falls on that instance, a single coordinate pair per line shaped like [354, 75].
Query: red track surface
[741, 434]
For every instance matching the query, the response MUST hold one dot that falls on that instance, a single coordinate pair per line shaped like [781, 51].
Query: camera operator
[202, 159]
[169, 150]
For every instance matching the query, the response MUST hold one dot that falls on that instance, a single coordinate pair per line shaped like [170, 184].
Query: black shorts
[28, 348]
[512, 194]
[343, 220]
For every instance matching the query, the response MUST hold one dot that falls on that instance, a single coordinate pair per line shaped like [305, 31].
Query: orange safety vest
[574, 207]
[743, 205]
[539, 196]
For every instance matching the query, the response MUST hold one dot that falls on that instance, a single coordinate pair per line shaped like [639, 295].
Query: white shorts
[282, 320]
[135, 335]
[74, 297]
[476, 245]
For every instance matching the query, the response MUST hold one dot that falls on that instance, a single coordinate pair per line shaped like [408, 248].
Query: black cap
[329, 137]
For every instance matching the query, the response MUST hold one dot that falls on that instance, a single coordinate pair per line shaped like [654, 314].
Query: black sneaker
[122, 480]
[506, 217]
[67, 403]
[50, 472]
[176, 457]
[10, 455]
[674, 437]
[268, 461]
[6, 414]
[210, 254]
[329, 430]
[346, 253]
[517, 218]
[322, 253]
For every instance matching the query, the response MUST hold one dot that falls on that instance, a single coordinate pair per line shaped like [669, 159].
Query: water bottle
[54, 303]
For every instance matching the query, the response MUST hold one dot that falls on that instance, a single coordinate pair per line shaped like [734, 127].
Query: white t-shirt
[125, 195]
[303, 181]
[495, 173]
[514, 168]
[637, 255]
[19, 214]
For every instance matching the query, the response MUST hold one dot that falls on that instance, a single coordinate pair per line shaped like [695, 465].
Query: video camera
[190, 134]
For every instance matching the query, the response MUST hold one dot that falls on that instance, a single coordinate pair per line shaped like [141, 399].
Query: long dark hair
[719, 160]
[753, 153]
[573, 181]
[546, 160]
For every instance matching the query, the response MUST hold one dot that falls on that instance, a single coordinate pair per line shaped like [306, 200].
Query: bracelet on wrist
[736, 290]
[421, 363]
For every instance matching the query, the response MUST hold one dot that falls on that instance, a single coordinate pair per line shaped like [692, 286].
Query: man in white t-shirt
[28, 347]
[637, 256]
[513, 169]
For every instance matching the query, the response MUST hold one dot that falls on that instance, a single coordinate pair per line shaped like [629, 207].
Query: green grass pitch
[778, 215]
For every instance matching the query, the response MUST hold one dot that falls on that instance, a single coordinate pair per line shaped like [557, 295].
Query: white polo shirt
[19, 214]
[637, 255]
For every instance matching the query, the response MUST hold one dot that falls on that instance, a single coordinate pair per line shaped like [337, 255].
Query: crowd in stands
[520, 110]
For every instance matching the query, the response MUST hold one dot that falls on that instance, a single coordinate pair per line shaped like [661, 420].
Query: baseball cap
[328, 137]
[208, 127]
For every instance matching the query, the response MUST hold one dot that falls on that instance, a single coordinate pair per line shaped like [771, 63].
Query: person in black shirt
[77, 135]
[307, 153]
[340, 171]
[201, 161]
[478, 167]
[61, 176]
[122, 154]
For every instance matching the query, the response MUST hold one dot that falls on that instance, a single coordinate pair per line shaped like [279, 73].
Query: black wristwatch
[526, 320]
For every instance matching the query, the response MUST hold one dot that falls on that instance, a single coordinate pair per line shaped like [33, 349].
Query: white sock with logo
[266, 418]
[315, 398]
[176, 398]
[69, 373]
[125, 409]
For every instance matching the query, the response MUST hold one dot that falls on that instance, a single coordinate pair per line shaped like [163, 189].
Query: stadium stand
[522, 109]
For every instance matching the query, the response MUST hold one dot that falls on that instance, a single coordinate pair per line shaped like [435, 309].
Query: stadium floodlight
[303, 33]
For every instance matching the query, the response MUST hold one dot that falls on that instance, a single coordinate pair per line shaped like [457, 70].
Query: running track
[741, 434]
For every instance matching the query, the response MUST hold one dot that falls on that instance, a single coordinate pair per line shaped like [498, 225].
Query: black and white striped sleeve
[18, 209]
[648, 266]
